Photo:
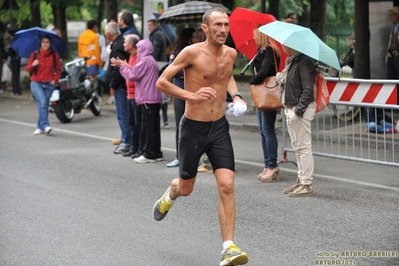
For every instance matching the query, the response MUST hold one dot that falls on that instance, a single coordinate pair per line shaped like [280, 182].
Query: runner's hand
[203, 94]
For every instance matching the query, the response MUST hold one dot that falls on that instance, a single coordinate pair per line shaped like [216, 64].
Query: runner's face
[218, 28]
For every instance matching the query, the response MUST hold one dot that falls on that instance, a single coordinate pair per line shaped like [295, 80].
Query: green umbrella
[303, 40]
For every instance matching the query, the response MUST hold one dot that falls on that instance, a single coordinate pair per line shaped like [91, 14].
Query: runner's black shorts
[197, 138]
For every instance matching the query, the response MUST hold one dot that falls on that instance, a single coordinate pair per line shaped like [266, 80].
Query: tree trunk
[35, 13]
[273, 8]
[318, 17]
[362, 37]
[112, 8]
[304, 18]
[100, 13]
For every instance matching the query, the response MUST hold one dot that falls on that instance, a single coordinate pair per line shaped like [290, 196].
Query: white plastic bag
[6, 74]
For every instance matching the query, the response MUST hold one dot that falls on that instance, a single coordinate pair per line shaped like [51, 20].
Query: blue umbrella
[303, 40]
[27, 41]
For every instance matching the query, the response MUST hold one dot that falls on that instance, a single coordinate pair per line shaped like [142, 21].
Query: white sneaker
[142, 159]
[173, 163]
[110, 101]
[47, 130]
[38, 131]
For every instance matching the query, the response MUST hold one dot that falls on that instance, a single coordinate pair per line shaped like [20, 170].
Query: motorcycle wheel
[95, 105]
[346, 113]
[64, 111]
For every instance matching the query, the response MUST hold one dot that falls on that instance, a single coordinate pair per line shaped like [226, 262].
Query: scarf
[282, 76]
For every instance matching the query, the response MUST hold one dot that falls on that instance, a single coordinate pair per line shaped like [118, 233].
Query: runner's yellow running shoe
[161, 207]
[233, 256]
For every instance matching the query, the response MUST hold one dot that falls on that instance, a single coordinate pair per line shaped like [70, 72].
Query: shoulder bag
[266, 95]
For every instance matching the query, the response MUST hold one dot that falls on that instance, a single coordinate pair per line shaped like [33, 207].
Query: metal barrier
[343, 134]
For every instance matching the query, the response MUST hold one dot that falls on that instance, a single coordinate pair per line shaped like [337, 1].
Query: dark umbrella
[27, 41]
[189, 12]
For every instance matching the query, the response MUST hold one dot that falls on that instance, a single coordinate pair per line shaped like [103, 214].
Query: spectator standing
[265, 64]
[134, 113]
[158, 40]
[116, 82]
[13, 57]
[186, 37]
[145, 73]
[291, 18]
[297, 84]
[126, 23]
[159, 43]
[89, 47]
[44, 67]
[393, 46]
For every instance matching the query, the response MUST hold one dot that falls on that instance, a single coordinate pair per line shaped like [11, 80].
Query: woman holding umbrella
[44, 67]
[266, 64]
[297, 82]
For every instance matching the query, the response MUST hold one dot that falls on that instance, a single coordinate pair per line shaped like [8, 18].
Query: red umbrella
[242, 23]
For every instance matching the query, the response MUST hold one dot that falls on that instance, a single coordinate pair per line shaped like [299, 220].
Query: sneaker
[121, 149]
[116, 142]
[47, 130]
[203, 169]
[38, 131]
[128, 153]
[291, 189]
[162, 207]
[173, 163]
[136, 155]
[233, 256]
[142, 159]
[302, 191]
[166, 126]
[110, 101]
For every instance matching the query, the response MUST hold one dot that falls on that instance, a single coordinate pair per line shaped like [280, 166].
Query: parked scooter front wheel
[64, 111]
[95, 105]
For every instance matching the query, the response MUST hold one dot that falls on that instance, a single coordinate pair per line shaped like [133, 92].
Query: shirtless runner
[208, 74]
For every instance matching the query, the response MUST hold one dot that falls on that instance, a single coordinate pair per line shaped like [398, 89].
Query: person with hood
[145, 73]
[126, 23]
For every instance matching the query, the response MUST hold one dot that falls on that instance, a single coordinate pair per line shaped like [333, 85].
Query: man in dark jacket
[126, 23]
[118, 83]
[158, 41]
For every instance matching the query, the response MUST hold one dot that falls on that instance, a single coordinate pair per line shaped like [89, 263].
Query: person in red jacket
[44, 67]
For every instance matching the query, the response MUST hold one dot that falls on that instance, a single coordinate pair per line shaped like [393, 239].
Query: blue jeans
[42, 93]
[380, 127]
[267, 120]
[134, 114]
[122, 115]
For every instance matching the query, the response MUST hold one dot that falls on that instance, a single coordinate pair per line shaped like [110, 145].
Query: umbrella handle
[249, 63]
[245, 68]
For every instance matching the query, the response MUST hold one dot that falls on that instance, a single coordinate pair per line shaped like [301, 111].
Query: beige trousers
[299, 129]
